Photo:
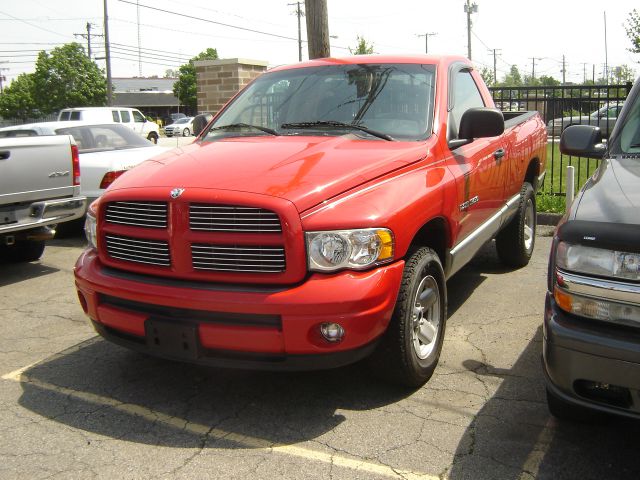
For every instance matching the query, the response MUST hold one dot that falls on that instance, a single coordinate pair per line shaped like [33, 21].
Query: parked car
[106, 151]
[131, 117]
[181, 127]
[604, 117]
[591, 345]
[39, 188]
[316, 219]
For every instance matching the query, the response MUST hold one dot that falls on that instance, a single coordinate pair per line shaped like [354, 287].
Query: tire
[153, 137]
[410, 349]
[186, 132]
[516, 241]
[23, 251]
[569, 412]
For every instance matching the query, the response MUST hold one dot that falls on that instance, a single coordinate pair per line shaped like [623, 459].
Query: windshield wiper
[270, 131]
[333, 123]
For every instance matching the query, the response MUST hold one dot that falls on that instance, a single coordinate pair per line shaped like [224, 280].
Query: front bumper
[243, 326]
[579, 354]
[46, 212]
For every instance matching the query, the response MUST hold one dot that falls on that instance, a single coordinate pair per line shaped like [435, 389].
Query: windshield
[183, 120]
[627, 138]
[392, 99]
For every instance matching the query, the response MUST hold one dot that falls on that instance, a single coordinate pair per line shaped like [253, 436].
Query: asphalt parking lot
[75, 406]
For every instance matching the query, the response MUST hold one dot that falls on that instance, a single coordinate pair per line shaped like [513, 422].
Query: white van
[130, 117]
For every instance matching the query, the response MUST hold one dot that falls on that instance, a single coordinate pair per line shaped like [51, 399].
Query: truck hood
[613, 193]
[302, 169]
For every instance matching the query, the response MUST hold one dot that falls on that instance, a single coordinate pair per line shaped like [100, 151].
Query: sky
[158, 35]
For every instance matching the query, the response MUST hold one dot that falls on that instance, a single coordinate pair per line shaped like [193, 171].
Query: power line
[34, 26]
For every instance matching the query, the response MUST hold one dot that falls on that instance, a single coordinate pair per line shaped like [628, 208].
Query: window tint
[137, 116]
[116, 116]
[75, 116]
[65, 115]
[126, 118]
[466, 96]
[18, 133]
[91, 138]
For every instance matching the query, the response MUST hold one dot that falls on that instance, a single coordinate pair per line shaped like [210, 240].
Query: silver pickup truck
[39, 188]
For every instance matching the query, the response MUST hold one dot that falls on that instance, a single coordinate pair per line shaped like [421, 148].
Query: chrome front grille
[230, 218]
[151, 252]
[137, 214]
[238, 258]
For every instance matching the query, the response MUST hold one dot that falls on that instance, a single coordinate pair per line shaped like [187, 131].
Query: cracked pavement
[76, 406]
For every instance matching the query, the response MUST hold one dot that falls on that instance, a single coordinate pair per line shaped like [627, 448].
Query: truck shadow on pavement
[514, 436]
[20, 272]
[102, 388]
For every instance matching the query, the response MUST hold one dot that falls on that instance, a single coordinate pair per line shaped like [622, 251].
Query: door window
[137, 116]
[466, 96]
[116, 116]
[126, 118]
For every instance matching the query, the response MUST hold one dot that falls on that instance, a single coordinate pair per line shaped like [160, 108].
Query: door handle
[4, 154]
[498, 154]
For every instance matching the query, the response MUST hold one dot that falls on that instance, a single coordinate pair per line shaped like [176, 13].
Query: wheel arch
[434, 234]
[533, 173]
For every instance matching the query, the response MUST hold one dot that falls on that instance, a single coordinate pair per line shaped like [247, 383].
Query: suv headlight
[592, 298]
[598, 261]
[91, 228]
[333, 250]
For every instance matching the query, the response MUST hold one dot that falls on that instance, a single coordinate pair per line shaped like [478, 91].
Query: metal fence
[559, 108]
[11, 122]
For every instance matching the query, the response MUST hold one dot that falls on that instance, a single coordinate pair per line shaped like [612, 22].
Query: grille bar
[138, 214]
[238, 258]
[229, 218]
[152, 252]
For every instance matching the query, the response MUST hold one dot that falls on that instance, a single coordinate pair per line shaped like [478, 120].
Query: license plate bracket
[172, 338]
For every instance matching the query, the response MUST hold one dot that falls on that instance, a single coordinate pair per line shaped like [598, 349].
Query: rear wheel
[22, 251]
[516, 241]
[153, 137]
[410, 349]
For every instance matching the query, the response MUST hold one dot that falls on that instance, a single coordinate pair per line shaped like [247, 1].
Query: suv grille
[229, 218]
[137, 214]
[152, 252]
[238, 258]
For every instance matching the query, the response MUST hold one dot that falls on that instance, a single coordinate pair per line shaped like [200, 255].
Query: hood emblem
[176, 192]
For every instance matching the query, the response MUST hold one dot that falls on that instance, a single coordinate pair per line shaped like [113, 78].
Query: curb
[545, 218]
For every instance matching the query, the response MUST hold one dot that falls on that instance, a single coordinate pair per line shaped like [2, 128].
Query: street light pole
[107, 52]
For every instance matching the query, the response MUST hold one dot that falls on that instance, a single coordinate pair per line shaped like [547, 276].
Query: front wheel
[186, 132]
[410, 349]
[22, 251]
[516, 241]
[153, 137]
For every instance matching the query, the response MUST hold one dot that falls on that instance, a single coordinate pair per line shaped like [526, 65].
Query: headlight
[598, 261]
[356, 249]
[91, 229]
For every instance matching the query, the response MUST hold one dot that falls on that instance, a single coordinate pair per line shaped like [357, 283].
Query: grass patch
[545, 202]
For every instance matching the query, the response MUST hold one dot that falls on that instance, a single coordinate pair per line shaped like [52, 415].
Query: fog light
[332, 332]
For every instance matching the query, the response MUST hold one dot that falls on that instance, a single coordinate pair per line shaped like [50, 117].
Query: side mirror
[200, 122]
[478, 123]
[582, 141]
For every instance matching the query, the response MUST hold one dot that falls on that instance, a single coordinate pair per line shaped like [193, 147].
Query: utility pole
[107, 51]
[426, 40]
[584, 72]
[495, 69]
[88, 36]
[533, 67]
[317, 28]
[593, 74]
[469, 8]
[564, 70]
[606, 54]
[299, 14]
[139, 47]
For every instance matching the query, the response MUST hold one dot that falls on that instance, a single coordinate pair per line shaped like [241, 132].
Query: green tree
[632, 27]
[67, 78]
[548, 81]
[362, 47]
[622, 74]
[513, 78]
[185, 87]
[487, 75]
[17, 100]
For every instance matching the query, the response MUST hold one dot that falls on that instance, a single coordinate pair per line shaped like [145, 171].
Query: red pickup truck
[316, 219]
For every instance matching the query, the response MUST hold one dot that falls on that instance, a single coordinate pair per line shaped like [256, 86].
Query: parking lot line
[246, 441]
